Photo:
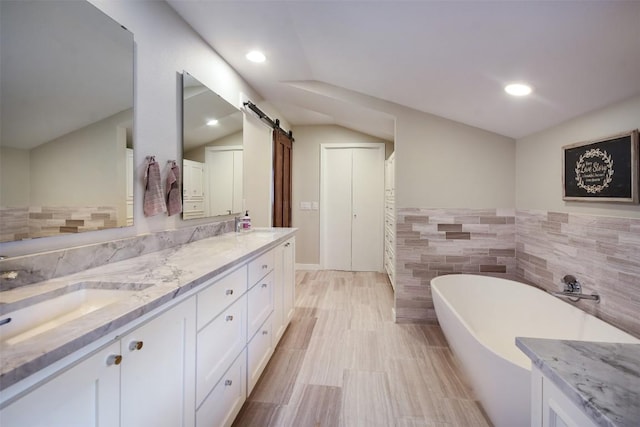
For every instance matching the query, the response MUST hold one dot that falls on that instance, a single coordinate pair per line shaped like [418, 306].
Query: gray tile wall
[431, 242]
[537, 247]
[602, 252]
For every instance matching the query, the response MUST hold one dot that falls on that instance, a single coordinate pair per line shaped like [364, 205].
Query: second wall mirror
[212, 152]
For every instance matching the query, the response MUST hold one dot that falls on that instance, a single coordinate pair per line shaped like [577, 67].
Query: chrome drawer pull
[264, 285]
[228, 382]
[229, 292]
[265, 266]
[229, 318]
[265, 332]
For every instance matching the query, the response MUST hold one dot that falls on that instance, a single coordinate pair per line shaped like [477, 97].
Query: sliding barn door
[282, 147]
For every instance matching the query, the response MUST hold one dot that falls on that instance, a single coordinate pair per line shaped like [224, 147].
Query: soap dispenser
[246, 222]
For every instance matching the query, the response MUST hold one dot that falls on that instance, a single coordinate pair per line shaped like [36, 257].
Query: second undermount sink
[80, 300]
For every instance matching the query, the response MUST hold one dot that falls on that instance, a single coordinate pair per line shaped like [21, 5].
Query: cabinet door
[85, 395]
[289, 279]
[259, 351]
[278, 316]
[158, 370]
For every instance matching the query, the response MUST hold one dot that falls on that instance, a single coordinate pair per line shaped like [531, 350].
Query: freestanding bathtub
[481, 316]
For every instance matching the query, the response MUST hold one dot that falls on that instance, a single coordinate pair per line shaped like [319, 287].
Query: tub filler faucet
[573, 290]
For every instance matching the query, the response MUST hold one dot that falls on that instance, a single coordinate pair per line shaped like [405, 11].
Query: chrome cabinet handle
[228, 382]
[264, 285]
[229, 292]
[265, 266]
[286, 245]
[229, 318]
[135, 345]
[265, 332]
[114, 359]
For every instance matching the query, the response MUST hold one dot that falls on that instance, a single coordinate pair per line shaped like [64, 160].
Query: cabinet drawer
[218, 344]
[259, 303]
[220, 294]
[193, 206]
[259, 351]
[221, 407]
[260, 266]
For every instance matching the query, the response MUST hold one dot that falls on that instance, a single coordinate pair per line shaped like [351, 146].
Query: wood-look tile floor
[343, 362]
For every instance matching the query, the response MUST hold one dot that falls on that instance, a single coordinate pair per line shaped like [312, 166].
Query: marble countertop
[167, 275]
[603, 379]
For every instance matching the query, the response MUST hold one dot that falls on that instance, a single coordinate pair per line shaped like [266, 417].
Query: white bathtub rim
[523, 362]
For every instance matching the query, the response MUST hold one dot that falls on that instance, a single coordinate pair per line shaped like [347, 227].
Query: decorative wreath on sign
[606, 158]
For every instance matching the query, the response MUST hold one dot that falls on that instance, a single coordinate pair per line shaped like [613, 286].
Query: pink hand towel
[174, 199]
[153, 197]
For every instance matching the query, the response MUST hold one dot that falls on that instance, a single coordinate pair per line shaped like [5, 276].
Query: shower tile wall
[431, 242]
[602, 252]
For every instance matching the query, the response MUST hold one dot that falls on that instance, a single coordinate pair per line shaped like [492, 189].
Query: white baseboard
[312, 267]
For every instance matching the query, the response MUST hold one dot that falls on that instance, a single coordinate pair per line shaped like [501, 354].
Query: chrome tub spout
[577, 296]
[573, 290]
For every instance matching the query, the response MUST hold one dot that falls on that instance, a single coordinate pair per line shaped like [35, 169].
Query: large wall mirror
[66, 148]
[212, 152]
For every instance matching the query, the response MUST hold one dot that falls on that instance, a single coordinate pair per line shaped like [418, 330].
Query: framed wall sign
[604, 170]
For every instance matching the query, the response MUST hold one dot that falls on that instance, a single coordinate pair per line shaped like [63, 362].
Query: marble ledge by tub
[601, 378]
[172, 272]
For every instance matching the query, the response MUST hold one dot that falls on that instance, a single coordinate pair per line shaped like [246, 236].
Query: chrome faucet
[573, 290]
[571, 284]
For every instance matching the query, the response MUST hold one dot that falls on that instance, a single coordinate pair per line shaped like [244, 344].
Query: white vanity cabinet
[550, 407]
[144, 378]
[191, 364]
[260, 303]
[284, 271]
[85, 395]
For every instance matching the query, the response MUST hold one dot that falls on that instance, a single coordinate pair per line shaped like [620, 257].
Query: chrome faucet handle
[571, 284]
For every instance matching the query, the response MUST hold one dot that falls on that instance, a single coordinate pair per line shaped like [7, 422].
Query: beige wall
[445, 164]
[14, 177]
[539, 160]
[306, 181]
[198, 154]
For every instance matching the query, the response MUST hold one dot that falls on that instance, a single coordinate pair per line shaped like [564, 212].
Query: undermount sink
[79, 300]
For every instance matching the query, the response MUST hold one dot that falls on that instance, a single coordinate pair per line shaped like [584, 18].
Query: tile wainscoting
[533, 246]
[603, 253]
[431, 242]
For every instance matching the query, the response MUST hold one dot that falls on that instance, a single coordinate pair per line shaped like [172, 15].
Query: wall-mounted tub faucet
[573, 290]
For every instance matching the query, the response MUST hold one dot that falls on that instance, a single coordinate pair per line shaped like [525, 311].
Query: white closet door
[352, 207]
[220, 168]
[238, 186]
[336, 200]
[367, 200]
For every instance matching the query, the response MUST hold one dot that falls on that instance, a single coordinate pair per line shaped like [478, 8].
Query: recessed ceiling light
[256, 56]
[518, 89]
[212, 122]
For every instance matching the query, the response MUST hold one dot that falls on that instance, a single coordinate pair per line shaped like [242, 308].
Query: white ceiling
[449, 58]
